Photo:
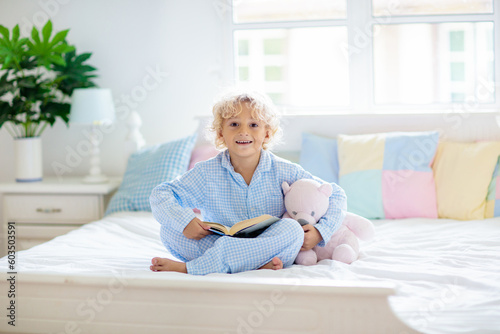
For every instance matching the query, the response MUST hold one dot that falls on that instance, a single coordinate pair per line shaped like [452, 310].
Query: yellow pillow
[462, 172]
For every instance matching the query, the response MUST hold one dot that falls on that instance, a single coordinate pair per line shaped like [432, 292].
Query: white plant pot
[28, 152]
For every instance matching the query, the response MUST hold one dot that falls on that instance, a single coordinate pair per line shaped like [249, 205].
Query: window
[286, 10]
[361, 56]
[431, 7]
[432, 63]
[296, 67]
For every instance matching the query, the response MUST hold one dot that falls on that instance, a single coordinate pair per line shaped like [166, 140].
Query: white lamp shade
[92, 106]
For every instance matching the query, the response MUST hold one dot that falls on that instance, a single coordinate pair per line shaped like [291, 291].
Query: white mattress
[447, 272]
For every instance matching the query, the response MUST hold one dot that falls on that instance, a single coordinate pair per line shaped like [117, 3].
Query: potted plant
[37, 77]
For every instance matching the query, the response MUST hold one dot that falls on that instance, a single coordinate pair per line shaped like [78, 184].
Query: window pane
[243, 73]
[457, 41]
[274, 46]
[287, 10]
[430, 7]
[434, 63]
[243, 48]
[296, 67]
[274, 73]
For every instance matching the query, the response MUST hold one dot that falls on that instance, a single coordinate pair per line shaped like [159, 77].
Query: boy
[242, 182]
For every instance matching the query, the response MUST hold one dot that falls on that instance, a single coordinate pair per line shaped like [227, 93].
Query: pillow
[148, 168]
[389, 175]
[318, 156]
[463, 173]
[202, 153]
[493, 197]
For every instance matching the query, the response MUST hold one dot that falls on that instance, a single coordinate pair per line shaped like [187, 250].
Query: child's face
[244, 135]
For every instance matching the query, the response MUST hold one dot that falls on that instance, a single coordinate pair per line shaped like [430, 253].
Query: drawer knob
[48, 210]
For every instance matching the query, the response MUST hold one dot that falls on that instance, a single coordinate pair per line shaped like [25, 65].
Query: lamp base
[95, 179]
[95, 175]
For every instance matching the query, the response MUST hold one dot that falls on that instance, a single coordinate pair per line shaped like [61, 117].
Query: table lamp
[93, 106]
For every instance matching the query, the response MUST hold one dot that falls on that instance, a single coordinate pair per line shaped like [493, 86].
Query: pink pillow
[202, 153]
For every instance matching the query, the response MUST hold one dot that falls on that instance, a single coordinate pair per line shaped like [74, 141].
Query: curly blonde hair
[229, 105]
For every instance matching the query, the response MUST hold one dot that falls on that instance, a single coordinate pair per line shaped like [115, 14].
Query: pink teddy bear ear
[326, 189]
[286, 187]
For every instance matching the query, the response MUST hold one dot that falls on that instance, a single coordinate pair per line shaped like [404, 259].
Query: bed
[418, 275]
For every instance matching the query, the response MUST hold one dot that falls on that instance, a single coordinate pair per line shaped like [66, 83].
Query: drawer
[29, 236]
[51, 208]
[23, 244]
[43, 232]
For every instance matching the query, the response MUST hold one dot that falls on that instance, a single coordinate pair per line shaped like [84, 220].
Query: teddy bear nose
[302, 222]
[304, 218]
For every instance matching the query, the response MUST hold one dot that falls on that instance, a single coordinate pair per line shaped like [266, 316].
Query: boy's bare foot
[162, 264]
[274, 264]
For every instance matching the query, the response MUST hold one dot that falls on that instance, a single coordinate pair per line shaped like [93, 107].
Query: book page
[254, 230]
[224, 229]
[257, 223]
[249, 222]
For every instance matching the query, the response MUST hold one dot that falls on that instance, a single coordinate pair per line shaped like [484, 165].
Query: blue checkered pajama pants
[223, 254]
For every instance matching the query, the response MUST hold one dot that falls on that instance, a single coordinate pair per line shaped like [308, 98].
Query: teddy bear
[306, 201]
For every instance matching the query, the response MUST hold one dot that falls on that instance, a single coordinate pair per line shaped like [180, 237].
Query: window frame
[359, 22]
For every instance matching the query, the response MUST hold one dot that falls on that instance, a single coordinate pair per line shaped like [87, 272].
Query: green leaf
[5, 32]
[75, 73]
[33, 88]
[5, 112]
[15, 33]
[12, 51]
[6, 86]
[88, 68]
[83, 57]
[63, 48]
[35, 35]
[29, 82]
[47, 52]
[59, 37]
[7, 61]
[51, 111]
[28, 63]
[47, 31]
[56, 59]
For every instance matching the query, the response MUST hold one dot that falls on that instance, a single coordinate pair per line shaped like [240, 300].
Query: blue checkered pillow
[148, 168]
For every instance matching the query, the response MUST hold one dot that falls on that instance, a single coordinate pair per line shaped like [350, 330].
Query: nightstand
[44, 210]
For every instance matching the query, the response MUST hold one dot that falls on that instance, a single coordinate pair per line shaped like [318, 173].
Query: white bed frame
[83, 304]
[47, 303]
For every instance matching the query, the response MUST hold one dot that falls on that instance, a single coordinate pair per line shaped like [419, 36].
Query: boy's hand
[196, 230]
[311, 237]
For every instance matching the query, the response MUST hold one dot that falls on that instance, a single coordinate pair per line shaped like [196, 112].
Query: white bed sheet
[447, 273]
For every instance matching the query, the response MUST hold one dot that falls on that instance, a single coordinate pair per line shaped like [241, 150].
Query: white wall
[180, 41]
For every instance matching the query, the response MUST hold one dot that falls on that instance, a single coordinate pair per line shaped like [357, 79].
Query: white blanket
[447, 272]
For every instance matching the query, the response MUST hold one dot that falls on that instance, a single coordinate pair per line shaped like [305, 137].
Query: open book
[249, 228]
